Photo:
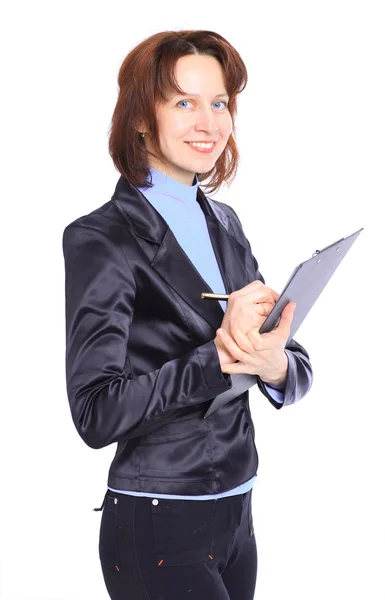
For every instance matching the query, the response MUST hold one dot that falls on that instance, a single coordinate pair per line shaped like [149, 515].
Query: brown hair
[145, 77]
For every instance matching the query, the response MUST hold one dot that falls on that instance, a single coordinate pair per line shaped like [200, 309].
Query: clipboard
[303, 287]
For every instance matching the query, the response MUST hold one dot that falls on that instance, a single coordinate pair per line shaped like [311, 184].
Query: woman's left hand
[260, 354]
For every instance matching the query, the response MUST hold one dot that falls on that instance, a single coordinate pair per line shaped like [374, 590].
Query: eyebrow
[197, 95]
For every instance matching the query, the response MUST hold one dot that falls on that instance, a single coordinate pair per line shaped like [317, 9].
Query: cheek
[172, 133]
[181, 126]
[175, 126]
[225, 124]
[228, 126]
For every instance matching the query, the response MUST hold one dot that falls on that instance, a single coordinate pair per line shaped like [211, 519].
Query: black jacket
[141, 363]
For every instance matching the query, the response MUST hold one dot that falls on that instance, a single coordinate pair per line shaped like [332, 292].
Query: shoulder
[103, 222]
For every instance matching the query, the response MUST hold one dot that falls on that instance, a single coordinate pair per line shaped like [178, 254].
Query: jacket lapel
[169, 259]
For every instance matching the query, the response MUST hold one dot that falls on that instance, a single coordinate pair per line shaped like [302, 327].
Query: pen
[214, 296]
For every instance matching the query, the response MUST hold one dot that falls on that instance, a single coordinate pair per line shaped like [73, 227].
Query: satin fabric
[141, 364]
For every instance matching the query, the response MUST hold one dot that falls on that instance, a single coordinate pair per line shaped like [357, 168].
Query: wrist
[279, 379]
[280, 386]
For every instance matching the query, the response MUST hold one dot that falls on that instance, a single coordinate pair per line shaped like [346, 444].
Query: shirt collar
[167, 186]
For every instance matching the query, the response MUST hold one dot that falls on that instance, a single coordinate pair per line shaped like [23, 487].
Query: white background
[311, 133]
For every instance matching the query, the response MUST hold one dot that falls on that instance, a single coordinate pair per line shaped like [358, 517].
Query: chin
[205, 168]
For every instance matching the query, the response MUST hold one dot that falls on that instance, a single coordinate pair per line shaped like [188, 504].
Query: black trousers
[169, 549]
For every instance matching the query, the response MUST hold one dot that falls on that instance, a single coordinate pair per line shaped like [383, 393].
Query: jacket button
[115, 500]
[155, 502]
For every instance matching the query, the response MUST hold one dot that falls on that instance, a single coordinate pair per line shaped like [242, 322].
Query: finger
[264, 289]
[260, 295]
[256, 291]
[253, 285]
[231, 346]
[232, 369]
[275, 295]
[241, 338]
[286, 320]
[264, 308]
[249, 310]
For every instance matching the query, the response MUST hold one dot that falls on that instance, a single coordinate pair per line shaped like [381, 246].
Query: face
[199, 115]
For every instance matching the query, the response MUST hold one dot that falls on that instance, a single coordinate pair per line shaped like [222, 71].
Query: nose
[206, 120]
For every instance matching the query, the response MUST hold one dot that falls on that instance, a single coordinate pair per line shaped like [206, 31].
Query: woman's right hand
[247, 309]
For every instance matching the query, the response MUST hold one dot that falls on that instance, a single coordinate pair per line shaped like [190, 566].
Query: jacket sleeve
[300, 373]
[106, 404]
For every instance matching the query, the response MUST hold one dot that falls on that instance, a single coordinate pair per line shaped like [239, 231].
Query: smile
[202, 146]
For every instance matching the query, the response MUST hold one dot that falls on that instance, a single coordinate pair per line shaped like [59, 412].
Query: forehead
[200, 75]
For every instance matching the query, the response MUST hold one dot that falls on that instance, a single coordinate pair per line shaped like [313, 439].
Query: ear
[141, 128]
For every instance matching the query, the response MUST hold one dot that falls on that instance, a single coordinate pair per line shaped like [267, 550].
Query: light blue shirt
[177, 203]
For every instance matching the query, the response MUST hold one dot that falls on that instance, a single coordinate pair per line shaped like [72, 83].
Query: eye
[183, 101]
[223, 102]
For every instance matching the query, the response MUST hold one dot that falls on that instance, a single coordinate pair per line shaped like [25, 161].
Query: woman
[144, 356]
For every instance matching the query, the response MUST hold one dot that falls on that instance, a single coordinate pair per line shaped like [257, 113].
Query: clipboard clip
[330, 246]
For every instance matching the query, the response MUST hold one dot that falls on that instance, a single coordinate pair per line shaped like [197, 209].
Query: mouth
[205, 147]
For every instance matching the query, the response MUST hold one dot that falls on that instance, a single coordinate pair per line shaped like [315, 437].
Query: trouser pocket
[183, 531]
[108, 536]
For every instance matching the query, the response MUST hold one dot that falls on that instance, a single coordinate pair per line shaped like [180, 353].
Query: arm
[106, 405]
[300, 374]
